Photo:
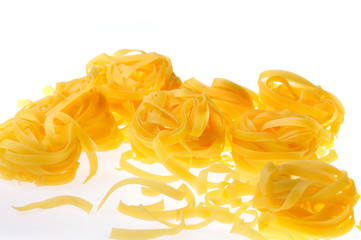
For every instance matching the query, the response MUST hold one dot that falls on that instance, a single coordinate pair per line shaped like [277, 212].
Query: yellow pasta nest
[259, 137]
[178, 128]
[281, 90]
[42, 143]
[231, 98]
[125, 79]
[305, 199]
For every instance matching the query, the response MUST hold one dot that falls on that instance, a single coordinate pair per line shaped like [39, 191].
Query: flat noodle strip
[58, 201]
[156, 212]
[118, 233]
[157, 185]
[125, 165]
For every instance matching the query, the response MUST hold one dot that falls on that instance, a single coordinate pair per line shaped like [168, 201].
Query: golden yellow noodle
[59, 201]
[156, 212]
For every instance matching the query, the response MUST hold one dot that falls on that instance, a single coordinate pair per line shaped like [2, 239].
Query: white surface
[42, 42]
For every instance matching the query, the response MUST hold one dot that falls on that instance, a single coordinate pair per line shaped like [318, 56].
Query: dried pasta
[156, 212]
[281, 90]
[125, 78]
[178, 128]
[58, 201]
[42, 143]
[270, 151]
[307, 198]
[260, 136]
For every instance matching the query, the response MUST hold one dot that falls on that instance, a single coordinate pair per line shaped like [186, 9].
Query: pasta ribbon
[259, 137]
[126, 76]
[59, 201]
[280, 90]
[308, 198]
[231, 98]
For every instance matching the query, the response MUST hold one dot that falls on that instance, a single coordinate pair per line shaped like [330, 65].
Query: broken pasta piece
[58, 201]
[308, 198]
[156, 212]
[43, 142]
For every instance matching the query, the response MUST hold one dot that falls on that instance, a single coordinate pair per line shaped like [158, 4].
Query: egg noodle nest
[272, 149]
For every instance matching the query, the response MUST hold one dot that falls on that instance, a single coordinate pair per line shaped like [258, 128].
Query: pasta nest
[43, 142]
[178, 125]
[305, 198]
[259, 137]
[125, 79]
[279, 90]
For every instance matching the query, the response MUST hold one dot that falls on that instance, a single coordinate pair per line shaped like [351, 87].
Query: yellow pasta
[267, 152]
[42, 151]
[94, 106]
[156, 212]
[259, 137]
[228, 96]
[125, 78]
[59, 201]
[308, 198]
[178, 128]
[42, 143]
[281, 90]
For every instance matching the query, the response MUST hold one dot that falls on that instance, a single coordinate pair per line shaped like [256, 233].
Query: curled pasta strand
[58, 201]
[156, 212]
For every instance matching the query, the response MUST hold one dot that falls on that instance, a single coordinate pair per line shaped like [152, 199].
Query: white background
[43, 42]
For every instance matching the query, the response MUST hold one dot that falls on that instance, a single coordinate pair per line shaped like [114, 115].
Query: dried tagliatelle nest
[259, 137]
[307, 198]
[271, 151]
